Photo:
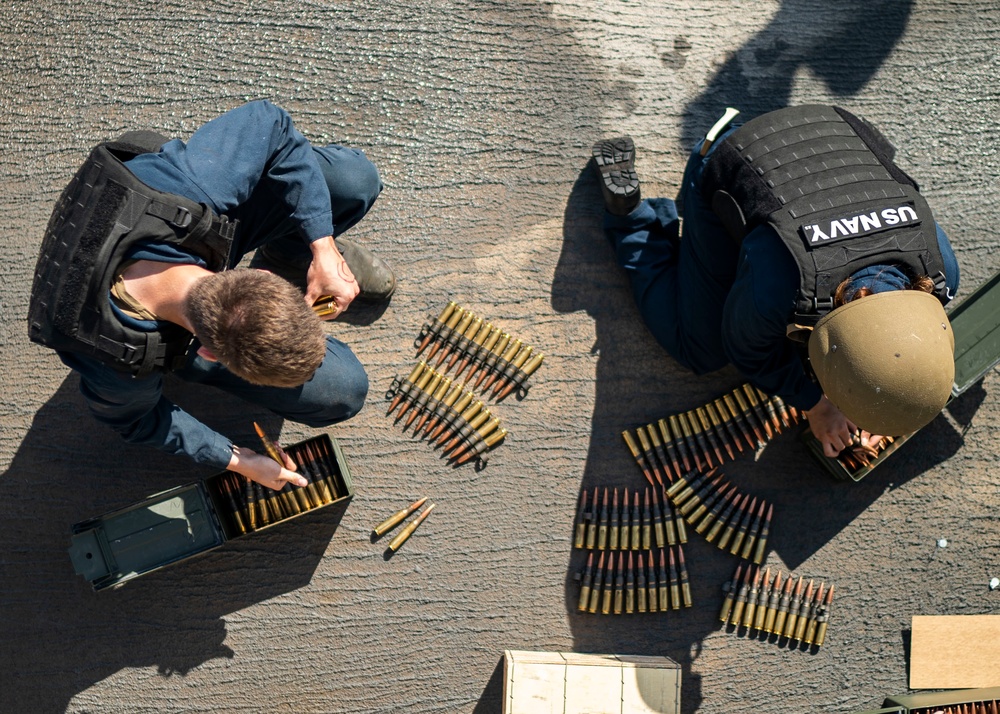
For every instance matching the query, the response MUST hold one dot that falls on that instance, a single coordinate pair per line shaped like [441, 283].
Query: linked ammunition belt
[450, 415]
[252, 506]
[732, 520]
[759, 606]
[857, 457]
[695, 439]
[635, 582]
[495, 358]
[636, 526]
[990, 706]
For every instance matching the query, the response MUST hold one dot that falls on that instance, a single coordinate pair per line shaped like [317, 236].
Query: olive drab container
[976, 325]
[186, 521]
[933, 702]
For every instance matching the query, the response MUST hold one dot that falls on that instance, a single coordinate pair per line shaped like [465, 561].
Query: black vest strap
[825, 181]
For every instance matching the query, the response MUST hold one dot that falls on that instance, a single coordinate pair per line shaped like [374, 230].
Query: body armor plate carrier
[102, 213]
[825, 181]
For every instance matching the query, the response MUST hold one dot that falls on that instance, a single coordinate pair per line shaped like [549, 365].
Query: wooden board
[955, 651]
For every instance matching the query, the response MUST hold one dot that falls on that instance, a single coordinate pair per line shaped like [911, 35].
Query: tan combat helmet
[887, 361]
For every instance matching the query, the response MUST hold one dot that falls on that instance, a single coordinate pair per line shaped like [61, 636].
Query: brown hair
[258, 326]
[841, 296]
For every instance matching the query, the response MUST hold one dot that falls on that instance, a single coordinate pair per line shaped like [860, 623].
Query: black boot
[376, 281]
[614, 160]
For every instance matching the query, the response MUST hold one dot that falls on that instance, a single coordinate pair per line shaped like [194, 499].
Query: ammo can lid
[160, 530]
[976, 324]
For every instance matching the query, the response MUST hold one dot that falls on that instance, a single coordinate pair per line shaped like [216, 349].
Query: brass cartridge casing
[614, 524]
[490, 360]
[677, 438]
[595, 592]
[648, 457]
[624, 541]
[637, 454]
[522, 375]
[772, 604]
[755, 525]
[762, 597]
[629, 586]
[658, 528]
[758, 555]
[814, 609]
[609, 578]
[636, 526]
[661, 456]
[663, 584]
[783, 605]
[726, 419]
[685, 580]
[398, 517]
[803, 620]
[585, 585]
[580, 529]
[751, 605]
[602, 523]
[733, 522]
[397, 542]
[668, 521]
[652, 586]
[513, 347]
[744, 525]
[591, 541]
[758, 411]
[646, 530]
[823, 618]
[732, 501]
[671, 448]
[793, 610]
[730, 593]
[710, 436]
[741, 600]
[640, 585]
[404, 387]
[434, 327]
[619, 596]
[740, 421]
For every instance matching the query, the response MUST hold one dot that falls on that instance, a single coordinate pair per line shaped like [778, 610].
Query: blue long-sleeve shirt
[252, 153]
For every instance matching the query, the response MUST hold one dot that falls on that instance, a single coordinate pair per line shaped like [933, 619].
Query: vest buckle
[182, 219]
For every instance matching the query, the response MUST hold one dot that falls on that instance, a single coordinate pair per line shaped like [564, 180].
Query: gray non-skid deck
[480, 115]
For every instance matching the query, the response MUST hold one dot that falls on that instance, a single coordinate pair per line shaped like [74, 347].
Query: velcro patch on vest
[858, 224]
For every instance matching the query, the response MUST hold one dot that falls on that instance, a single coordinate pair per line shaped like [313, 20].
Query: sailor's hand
[329, 275]
[828, 424]
[263, 469]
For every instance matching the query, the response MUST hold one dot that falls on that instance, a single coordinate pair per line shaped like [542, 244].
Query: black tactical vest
[825, 181]
[101, 214]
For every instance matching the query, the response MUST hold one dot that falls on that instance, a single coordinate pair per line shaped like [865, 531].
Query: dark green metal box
[976, 324]
[180, 523]
[930, 702]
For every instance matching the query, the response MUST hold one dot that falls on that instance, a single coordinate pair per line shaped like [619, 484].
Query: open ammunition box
[195, 518]
[976, 324]
[951, 702]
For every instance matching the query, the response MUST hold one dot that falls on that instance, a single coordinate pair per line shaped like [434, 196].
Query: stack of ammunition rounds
[627, 583]
[857, 457]
[250, 506]
[636, 522]
[725, 517]
[449, 414]
[759, 604]
[705, 437]
[500, 363]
